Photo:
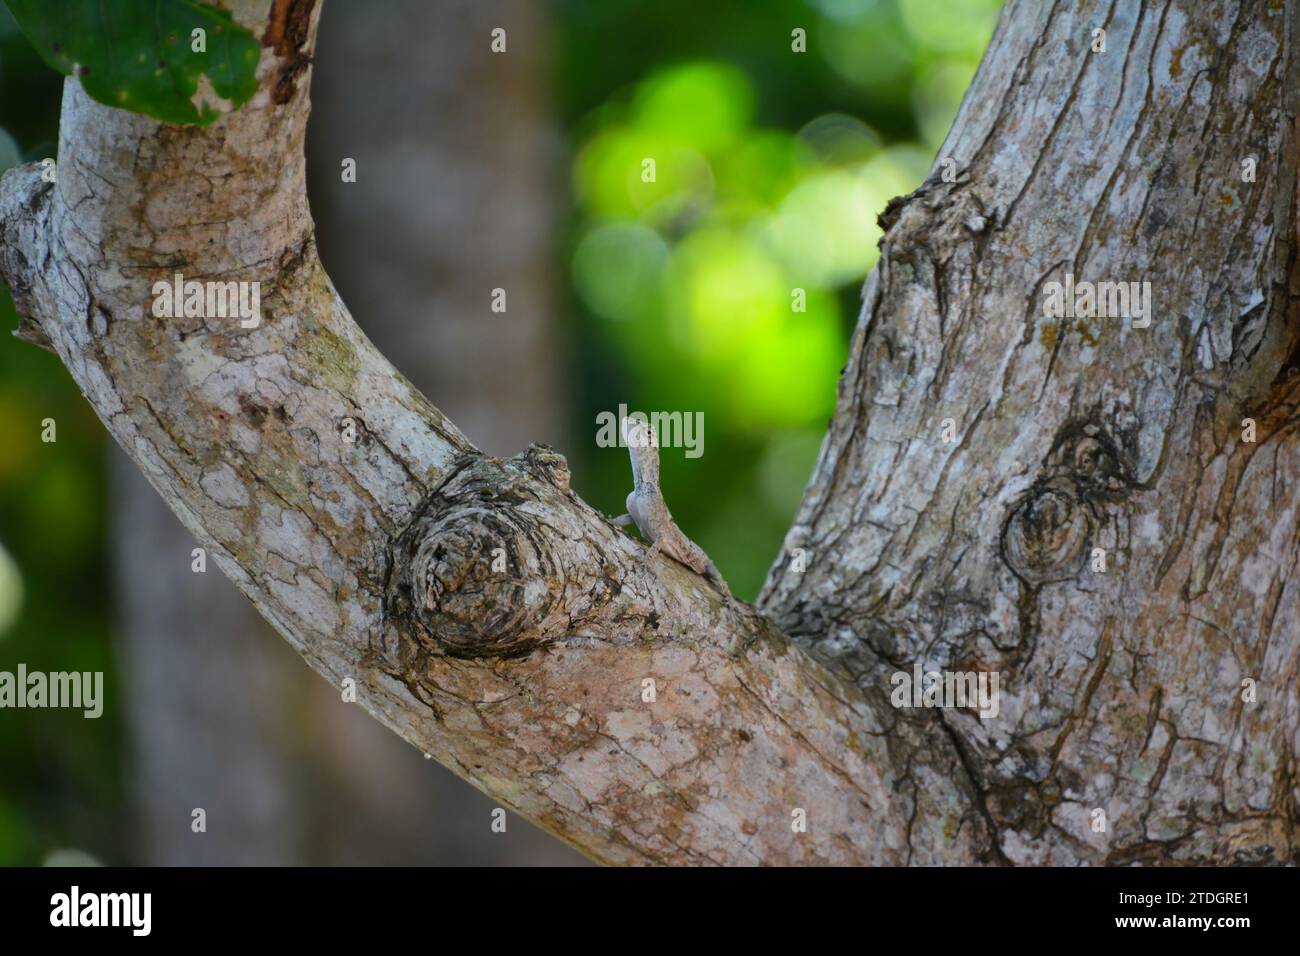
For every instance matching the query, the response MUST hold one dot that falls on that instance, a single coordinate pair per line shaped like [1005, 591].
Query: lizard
[648, 510]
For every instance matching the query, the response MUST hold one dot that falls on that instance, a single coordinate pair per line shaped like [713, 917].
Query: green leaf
[138, 54]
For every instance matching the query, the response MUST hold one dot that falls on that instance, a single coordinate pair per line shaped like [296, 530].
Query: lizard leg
[622, 520]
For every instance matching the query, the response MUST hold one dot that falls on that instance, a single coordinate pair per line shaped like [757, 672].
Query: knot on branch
[477, 574]
[936, 215]
[1093, 459]
[1047, 534]
[1046, 537]
[546, 464]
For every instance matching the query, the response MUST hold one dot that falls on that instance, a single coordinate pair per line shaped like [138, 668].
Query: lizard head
[643, 448]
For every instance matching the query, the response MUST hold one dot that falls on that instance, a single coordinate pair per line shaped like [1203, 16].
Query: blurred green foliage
[770, 168]
[60, 775]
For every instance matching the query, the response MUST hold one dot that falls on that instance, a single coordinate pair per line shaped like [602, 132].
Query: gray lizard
[647, 508]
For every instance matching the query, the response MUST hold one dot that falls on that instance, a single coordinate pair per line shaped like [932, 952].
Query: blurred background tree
[523, 171]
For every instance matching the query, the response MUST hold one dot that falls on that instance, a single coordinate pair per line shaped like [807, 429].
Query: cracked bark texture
[1120, 690]
[376, 558]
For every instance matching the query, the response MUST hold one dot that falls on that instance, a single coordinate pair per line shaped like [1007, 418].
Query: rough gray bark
[1120, 691]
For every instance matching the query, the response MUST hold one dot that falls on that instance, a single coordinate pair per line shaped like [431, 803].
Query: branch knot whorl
[474, 576]
[1046, 536]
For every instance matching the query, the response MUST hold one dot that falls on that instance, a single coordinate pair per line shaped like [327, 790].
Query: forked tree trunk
[1121, 691]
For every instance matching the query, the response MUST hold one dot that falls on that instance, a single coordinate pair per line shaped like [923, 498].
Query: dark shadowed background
[475, 171]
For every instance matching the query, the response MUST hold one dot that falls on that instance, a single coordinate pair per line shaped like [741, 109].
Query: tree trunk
[1121, 690]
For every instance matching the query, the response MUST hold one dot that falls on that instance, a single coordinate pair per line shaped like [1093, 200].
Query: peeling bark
[1120, 690]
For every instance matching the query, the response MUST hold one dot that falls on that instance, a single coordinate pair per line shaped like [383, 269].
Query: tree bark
[1120, 691]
